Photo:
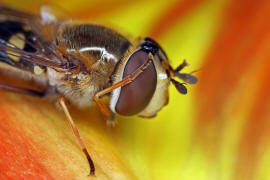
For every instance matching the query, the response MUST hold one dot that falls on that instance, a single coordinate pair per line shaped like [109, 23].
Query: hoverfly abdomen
[15, 35]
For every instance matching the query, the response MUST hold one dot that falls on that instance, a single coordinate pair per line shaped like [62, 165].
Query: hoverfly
[80, 62]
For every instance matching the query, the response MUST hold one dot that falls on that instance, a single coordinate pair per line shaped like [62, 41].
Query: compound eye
[135, 96]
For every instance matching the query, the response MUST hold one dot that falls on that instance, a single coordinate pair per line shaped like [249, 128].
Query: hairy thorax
[96, 51]
[79, 89]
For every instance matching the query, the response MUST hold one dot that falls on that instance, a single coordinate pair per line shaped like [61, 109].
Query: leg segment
[62, 103]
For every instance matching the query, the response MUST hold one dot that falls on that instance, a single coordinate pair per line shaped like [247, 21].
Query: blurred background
[219, 130]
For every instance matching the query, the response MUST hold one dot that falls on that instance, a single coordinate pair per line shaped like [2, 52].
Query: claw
[111, 123]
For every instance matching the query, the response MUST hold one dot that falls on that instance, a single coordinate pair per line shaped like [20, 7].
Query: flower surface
[220, 130]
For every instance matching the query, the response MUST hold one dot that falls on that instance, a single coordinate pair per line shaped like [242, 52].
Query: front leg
[111, 121]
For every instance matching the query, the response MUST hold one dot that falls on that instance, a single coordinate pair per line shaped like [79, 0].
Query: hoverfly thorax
[91, 44]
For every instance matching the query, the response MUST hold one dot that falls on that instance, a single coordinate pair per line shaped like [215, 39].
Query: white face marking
[162, 76]
[116, 92]
[160, 97]
[17, 40]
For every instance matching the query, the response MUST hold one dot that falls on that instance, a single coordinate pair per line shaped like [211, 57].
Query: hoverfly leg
[110, 116]
[103, 108]
[62, 102]
[22, 90]
[112, 122]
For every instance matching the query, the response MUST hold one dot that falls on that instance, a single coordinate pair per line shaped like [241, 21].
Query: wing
[26, 42]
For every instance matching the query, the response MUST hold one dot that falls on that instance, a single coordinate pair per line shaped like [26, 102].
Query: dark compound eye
[135, 96]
